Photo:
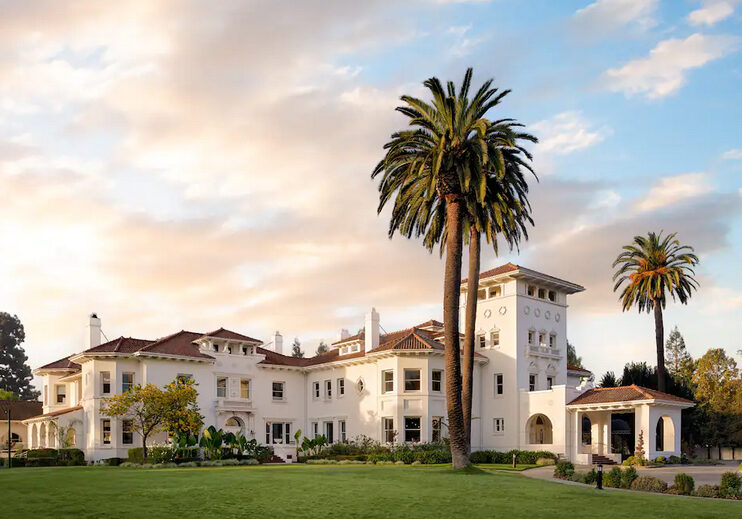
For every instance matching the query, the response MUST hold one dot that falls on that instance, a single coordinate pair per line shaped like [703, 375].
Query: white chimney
[371, 331]
[344, 334]
[92, 335]
[278, 343]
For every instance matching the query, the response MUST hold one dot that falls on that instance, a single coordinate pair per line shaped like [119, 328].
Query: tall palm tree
[649, 268]
[431, 171]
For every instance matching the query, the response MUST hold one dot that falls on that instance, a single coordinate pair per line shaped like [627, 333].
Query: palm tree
[432, 171]
[649, 268]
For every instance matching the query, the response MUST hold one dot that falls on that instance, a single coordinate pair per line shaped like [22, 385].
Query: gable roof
[606, 395]
[568, 286]
[180, 343]
[19, 409]
[575, 368]
[61, 364]
[223, 333]
[120, 345]
[502, 269]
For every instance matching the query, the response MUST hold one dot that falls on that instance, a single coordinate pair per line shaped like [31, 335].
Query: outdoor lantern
[600, 477]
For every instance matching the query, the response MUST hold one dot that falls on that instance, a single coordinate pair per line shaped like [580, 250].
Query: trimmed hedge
[524, 457]
[649, 484]
[707, 491]
[48, 458]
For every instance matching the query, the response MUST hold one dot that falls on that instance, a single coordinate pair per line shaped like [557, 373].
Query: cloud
[664, 71]
[712, 12]
[608, 16]
[733, 154]
[674, 190]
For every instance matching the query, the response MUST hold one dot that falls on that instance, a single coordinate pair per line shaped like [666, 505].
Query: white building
[390, 387]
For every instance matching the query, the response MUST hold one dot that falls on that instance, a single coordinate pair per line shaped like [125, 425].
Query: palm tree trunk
[451, 294]
[472, 289]
[659, 332]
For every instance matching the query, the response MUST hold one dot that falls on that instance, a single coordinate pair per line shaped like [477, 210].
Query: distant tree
[640, 374]
[609, 380]
[572, 358]
[15, 373]
[296, 349]
[649, 269]
[153, 409]
[322, 348]
[677, 359]
[717, 380]
[7, 395]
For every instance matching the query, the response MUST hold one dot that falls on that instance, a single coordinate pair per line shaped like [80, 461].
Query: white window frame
[533, 382]
[542, 340]
[315, 429]
[63, 394]
[124, 431]
[106, 437]
[326, 428]
[552, 340]
[316, 390]
[532, 337]
[419, 379]
[498, 426]
[124, 386]
[328, 389]
[282, 396]
[419, 429]
[103, 382]
[270, 438]
[436, 426]
[387, 381]
[249, 388]
[387, 429]
[499, 380]
[495, 338]
[342, 431]
[482, 341]
[341, 387]
[433, 381]
[220, 389]
[550, 380]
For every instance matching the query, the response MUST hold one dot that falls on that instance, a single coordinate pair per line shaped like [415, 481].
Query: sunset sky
[191, 165]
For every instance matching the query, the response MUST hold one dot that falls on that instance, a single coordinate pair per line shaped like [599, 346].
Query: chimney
[344, 334]
[278, 343]
[371, 331]
[92, 335]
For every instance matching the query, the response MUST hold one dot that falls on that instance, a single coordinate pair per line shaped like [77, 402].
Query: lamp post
[600, 477]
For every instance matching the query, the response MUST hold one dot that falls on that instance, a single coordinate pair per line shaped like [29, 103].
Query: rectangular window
[341, 387]
[105, 431]
[127, 432]
[542, 293]
[127, 382]
[315, 429]
[498, 426]
[496, 291]
[531, 291]
[387, 381]
[549, 382]
[435, 427]
[61, 394]
[552, 295]
[412, 429]
[531, 337]
[482, 341]
[105, 380]
[278, 433]
[542, 339]
[278, 392]
[531, 382]
[343, 433]
[499, 384]
[482, 294]
[315, 390]
[552, 341]
[329, 432]
[245, 388]
[494, 339]
[221, 387]
[389, 433]
[328, 389]
[436, 380]
[412, 380]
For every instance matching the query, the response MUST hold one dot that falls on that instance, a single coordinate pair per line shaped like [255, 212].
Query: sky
[191, 165]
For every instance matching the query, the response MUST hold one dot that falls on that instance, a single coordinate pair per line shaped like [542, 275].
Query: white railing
[543, 351]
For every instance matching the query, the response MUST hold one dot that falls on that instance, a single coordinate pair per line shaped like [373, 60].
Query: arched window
[34, 438]
[587, 432]
[665, 435]
[233, 421]
[71, 438]
[42, 435]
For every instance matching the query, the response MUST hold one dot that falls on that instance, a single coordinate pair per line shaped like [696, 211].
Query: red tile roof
[606, 395]
[575, 368]
[222, 333]
[120, 345]
[19, 409]
[58, 413]
[180, 343]
[61, 364]
[502, 269]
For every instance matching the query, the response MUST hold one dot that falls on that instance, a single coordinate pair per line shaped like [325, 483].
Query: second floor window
[542, 339]
[278, 391]
[495, 338]
[221, 387]
[499, 384]
[412, 380]
[531, 337]
[315, 389]
[105, 380]
[531, 382]
[341, 386]
[552, 341]
[328, 389]
[482, 341]
[127, 382]
[127, 432]
[61, 394]
[387, 381]
[245, 388]
[436, 380]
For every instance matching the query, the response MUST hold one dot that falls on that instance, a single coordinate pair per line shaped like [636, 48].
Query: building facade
[389, 387]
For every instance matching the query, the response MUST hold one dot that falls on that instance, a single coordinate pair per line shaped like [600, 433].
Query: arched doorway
[34, 440]
[70, 439]
[665, 435]
[235, 425]
[539, 430]
[42, 435]
[587, 431]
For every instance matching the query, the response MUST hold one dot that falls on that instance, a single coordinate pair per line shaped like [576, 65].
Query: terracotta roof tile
[62, 364]
[575, 368]
[605, 395]
[58, 413]
[502, 269]
[120, 345]
[223, 333]
[179, 343]
[19, 409]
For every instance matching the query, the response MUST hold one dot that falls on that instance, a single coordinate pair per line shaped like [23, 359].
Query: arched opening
[235, 425]
[34, 439]
[665, 435]
[42, 435]
[587, 431]
[539, 430]
[70, 439]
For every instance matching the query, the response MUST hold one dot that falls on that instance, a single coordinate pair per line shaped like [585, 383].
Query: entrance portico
[657, 418]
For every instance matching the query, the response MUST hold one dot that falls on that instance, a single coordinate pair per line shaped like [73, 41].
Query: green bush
[157, 455]
[479, 457]
[612, 478]
[71, 457]
[628, 476]
[587, 478]
[136, 455]
[684, 483]
[541, 462]
[404, 454]
[17, 462]
[660, 460]
[112, 462]
[432, 457]
[564, 470]
[730, 485]
[674, 460]
[649, 484]
[707, 491]
[634, 461]
[377, 457]
[506, 458]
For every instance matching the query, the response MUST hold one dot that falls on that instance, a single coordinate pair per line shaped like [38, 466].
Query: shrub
[432, 457]
[684, 483]
[545, 461]
[587, 478]
[634, 461]
[136, 455]
[189, 464]
[404, 454]
[649, 484]
[160, 454]
[478, 457]
[71, 457]
[128, 465]
[660, 460]
[17, 462]
[400, 462]
[378, 457]
[628, 476]
[612, 478]
[165, 466]
[249, 461]
[674, 460]
[112, 462]
[730, 485]
[564, 470]
[707, 491]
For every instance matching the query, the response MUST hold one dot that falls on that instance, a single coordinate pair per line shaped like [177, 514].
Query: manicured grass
[324, 491]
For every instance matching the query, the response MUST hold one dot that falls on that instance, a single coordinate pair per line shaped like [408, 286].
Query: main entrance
[622, 434]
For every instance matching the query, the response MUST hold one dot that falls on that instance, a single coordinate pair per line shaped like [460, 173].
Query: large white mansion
[389, 387]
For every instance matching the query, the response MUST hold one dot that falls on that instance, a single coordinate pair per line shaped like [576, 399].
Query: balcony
[234, 404]
[543, 351]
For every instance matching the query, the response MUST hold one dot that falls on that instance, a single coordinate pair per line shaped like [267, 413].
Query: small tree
[639, 450]
[7, 395]
[677, 359]
[322, 348]
[572, 358]
[296, 349]
[609, 380]
[152, 409]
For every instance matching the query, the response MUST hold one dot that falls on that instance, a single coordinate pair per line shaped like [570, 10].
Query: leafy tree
[640, 374]
[322, 348]
[717, 380]
[7, 395]
[609, 380]
[572, 358]
[15, 373]
[445, 175]
[648, 269]
[678, 360]
[296, 349]
[153, 409]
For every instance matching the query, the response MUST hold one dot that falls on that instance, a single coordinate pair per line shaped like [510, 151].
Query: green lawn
[323, 491]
